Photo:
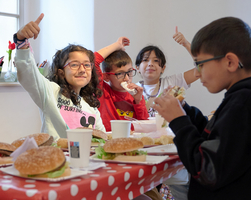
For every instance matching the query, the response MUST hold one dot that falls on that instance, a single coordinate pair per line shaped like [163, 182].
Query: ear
[137, 67]
[106, 77]
[233, 62]
[61, 72]
[163, 69]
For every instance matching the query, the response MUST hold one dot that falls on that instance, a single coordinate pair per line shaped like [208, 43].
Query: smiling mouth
[150, 70]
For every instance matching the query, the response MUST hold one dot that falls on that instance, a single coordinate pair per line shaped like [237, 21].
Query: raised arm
[118, 45]
[180, 38]
[189, 75]
[30, 30]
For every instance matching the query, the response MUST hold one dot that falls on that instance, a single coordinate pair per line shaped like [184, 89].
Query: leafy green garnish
[99, 151]
[54, 144]
[98, 140]
[55, 173]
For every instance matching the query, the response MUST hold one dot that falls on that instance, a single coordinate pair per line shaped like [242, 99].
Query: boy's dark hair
[228, 34]
[117, 58]
[160, 55]
[90, 92]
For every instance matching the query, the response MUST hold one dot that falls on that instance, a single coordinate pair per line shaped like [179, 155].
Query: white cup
[79, 143]
[159, 121]
[120, 128]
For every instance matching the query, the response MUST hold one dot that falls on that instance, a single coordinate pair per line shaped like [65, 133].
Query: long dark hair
[90, 92]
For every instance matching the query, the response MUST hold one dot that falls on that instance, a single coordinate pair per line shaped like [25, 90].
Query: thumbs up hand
[30, 30]
[179, 38]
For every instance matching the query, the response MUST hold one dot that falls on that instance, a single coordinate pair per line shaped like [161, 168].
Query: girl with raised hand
[151, 64]
[69, 96]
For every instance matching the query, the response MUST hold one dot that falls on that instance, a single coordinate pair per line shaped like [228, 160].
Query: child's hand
[179, 38]
[30, 30]
[122, 42]
[168, 107]
[137, 97]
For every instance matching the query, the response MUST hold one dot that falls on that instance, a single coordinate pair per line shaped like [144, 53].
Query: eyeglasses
[198, 63]
[121, 75]
[75, 65]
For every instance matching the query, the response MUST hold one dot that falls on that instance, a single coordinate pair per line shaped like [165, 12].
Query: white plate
[150, 160]
[74, 173]
[161, 149]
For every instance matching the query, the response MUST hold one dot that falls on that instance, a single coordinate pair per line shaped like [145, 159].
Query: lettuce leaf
[98, 140]
[99, 151]
[101, 154]
[55, 173]
[54, 144]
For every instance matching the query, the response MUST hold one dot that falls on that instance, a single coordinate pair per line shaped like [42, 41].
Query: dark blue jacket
[218, 153]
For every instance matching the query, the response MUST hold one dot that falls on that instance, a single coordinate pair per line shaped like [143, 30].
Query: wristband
[20, 43]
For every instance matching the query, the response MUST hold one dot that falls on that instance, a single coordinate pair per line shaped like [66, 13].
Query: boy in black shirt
[217, 153]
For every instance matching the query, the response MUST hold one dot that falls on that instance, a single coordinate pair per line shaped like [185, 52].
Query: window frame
[20, 20]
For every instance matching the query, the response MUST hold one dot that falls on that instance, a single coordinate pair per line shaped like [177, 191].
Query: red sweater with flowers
[115, 105]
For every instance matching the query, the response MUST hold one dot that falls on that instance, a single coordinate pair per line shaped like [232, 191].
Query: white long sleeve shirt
[57, 112]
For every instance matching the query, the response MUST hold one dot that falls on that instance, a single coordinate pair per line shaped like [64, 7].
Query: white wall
[98, 23]
[147, 22]
[19, 115]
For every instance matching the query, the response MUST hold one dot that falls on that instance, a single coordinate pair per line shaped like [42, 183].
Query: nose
[150, 62]
[81, 68]
[196, 73]
[126, 78]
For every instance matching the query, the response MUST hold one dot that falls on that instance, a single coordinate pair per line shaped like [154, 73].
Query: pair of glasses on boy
[197, 64]
[75, 65]
[122, 75]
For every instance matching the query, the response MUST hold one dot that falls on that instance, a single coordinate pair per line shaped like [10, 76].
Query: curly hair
[90, 92]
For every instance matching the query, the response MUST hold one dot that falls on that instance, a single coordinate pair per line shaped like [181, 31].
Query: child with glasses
[151, 64]
[69, 97]
[116, 102]
[217, 153]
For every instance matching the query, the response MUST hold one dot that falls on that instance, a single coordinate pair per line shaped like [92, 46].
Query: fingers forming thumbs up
[39, 19]
[176, 29]
[30, 30]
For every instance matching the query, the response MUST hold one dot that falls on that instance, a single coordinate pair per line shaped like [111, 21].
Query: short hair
[117, 58]
[228, 34]
[159, 54]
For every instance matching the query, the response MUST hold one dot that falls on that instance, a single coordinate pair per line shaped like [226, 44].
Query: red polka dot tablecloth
[115, 181]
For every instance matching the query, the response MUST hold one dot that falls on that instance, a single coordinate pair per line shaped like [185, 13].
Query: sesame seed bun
[120, 145]
[42, 139]
[138, 158]
[63, 143]
[40, 160]
[6, 149]
[96, 133]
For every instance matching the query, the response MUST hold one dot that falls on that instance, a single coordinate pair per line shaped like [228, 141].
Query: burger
[146, 140]
[5, 151]
[122, 149]
[62, 143]
[177, 92]
[98, 136]
[42, 139]
[164, 139]
[43, 162]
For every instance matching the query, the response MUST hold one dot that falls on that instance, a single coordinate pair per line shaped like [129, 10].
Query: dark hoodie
[218, 153]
